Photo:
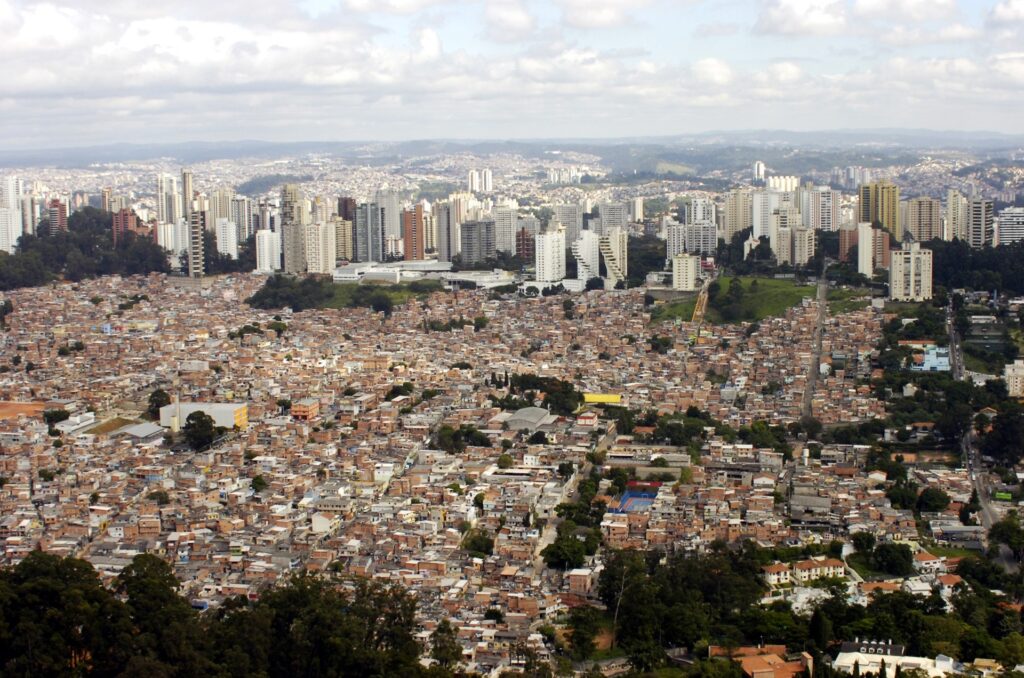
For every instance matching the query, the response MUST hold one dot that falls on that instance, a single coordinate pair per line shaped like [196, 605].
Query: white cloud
[912, 10]
[598, 13]
[1008, 11]
[508, 20]
[802, 17]
[391, 6]
[899, 36]
[713, 71]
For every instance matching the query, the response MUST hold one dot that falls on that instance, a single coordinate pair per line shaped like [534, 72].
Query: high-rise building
[414, 233]
[390, 213]
[910, 273]
[449, 239]
[783, 183]
[980, 223]
[106, 193]
[924, 219]
[700, 237]
[587, 251]
[187, 193]
[848, 238]
[956, 216]
[12, 221]
[738, 216]
[694, 210]
[196, 246]
[675, 240]
[762, 205]
[613, 215]
[226, 232]
[783, 217]
[268, 251]
[525, 241]
[168, 200]
[321, 247]
[344, 239]
[804, 242]
[347, 209]
[293, 234]
[882, 242]
[757, 176]
[473, 181]
[865, 249]
[369, 232]
[879, 204]
[220, 204]
[549, 255]
[614, 246]
[487, 181]
[685, 268]
[820, 208]
[571, 217]
[241, 214]
[477, 242]
[57, 214]
[123, 221]
[1011, 225]
[505, 222]
[636, 210]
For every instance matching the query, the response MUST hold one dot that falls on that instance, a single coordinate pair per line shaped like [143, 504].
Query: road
[972, 455]
[814, 368]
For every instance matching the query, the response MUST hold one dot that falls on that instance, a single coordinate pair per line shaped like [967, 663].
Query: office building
[505, 223]
[390, 213]
[369, 233]
[477, 242]
[910, 273]
[685, 268]
[924, 219]
[549, 255]
[226, 232]
[473, 181]
[587, 251]
[321, 247]
[879, 204]
[268, 251]
[757, 175]
[487, 181]
[187, 193]
[980, 223]
[413, 233]
[1011, 225]
[956, 216]
[168, 200]
[614, 249]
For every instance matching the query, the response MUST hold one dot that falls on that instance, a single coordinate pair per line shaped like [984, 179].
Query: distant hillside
[268, 182]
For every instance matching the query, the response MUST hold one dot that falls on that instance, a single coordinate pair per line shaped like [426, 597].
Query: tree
[894, 559]
[157, 399]
[538, 438]
[494, 614]
[584, 623]
[259, 483]
[566, 469]
[505, 461]
[52, 417]
[160, 497]
[478, 501]
[200, 430]
[932, 500]
[444, 646]
[864, 542]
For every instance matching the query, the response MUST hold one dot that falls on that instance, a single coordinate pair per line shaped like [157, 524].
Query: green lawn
[344, 293]
[846, 300]
[948, 551]
[770, 297]
[859, 563]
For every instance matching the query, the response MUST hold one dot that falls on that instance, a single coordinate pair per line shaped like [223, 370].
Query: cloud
[599, 13]
[911, 10]
[899, 36]
[801, 17]
[391, 6]
[712, 71]
[1007, 11]
[508, 20]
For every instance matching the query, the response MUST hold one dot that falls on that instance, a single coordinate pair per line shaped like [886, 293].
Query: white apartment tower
[321, 247]
[268, 251]
[865, 249]
[549, 255]
[980, 223]
[1011, 225]
[685, 268]
[226, 232]
[910, 273]
[587, 251]
[505, 222]
[614, 246]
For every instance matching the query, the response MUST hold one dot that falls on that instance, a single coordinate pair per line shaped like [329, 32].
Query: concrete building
[675, 240]
[549, 257]
[168, 199]
[226, 232]
[226, 415]
[587, 251]
[783, 182]
[121, 222]
[1011, 225]
[956, 215]
[57, 214]
[820, 207]
[293, 235]
[738, 215]
[268, 251]
[344, 240]
[321, 247]
[390, 213]
[614, 246]
[684, 272]
[924, 219]
[980, 223]
[1013, 375]
[477, 239]
[449, 240]
[369, 233]
[865, 249]
[505, 223]
[700, 237]
[910, 273]
[879, 203]
[613, 216]
[413, 233]
[636, 211]
[196, 246]
[757, 173]
[571, 217]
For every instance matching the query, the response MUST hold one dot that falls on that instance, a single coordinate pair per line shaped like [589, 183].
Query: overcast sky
[95, 71]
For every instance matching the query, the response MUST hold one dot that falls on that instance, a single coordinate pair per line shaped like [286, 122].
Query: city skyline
[90, 73]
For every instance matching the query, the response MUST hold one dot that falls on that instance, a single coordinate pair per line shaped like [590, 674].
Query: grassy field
[769, 297]
[345, 294]
[847, 300]
[110, 425]
[859, 563]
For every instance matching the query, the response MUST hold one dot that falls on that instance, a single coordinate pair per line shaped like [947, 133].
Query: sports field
[11, 410]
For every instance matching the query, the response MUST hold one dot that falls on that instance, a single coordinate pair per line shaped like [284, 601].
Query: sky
[82, 72]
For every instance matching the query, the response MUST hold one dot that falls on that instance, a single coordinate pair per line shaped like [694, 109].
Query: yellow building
[880, 202]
